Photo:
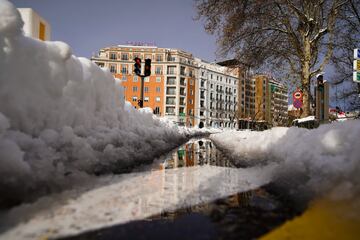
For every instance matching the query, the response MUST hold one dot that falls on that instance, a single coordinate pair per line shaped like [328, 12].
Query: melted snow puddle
[137, 196]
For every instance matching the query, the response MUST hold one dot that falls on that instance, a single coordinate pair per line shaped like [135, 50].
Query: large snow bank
[327, 158]
[63, 119]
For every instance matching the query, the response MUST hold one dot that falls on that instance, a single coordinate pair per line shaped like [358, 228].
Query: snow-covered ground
[63, 119]
[327, 158]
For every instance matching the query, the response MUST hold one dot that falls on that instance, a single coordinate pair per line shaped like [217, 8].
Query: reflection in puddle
[191, 178]
[193, 153]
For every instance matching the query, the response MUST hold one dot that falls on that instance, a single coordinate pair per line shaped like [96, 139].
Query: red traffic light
[137, 66]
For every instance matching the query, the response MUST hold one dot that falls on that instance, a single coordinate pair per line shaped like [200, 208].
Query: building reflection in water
[194, 153]
[195, 175]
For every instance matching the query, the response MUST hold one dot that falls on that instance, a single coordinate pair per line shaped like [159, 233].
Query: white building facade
[216, 92]
[35, 26]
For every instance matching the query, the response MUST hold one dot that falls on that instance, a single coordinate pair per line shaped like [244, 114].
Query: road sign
[357, 65]
[357, 53]
[297, 104]
[356, 77]
[298, 95]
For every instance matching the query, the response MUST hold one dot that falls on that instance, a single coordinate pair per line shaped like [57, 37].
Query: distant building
[182, 88]
[34, 25]
[217, 105]
[262, 100]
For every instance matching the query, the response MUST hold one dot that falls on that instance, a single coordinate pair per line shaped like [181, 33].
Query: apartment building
[169, 91]
[182, 88]
[269, 103]
[35, 26]
[217, 94]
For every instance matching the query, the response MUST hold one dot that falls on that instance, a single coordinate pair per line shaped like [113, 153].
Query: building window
[157, 99]
[158, 70]
[136, 55]
[191, 82]
[124, 69]
[124, 56]
[159, 58]
[158, 89]
[158, 79]
[135, 79]
[190, 73]
[182, 81]
[171, 70]
[171, 81]
[170, 100]
[182, 70]
[171, 90]
[134, 99]
[157, 110]
[146, 89]
[146, 79]
[146, 99]
[135, 89]
[201, 113]
[124, 78]
[113, 56]
[171, 58]
[170, 110]
[182, 101]
[113, 68]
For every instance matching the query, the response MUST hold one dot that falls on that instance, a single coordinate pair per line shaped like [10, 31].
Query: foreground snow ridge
[131, 197]
[329, 157]
[63, 119]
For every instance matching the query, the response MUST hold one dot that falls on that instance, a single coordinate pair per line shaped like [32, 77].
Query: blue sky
[88, 25]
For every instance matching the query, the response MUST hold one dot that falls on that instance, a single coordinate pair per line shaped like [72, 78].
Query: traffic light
[137, 66]
[140, 103]
[147, 67]
[320, 82]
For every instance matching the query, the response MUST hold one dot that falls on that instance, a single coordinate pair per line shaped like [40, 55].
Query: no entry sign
[298, 95]
[298, 98]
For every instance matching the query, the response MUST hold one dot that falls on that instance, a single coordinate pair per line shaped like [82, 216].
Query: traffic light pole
[137, 71]
[142, 92]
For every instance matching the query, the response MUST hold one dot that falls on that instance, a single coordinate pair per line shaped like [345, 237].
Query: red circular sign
[298, 95]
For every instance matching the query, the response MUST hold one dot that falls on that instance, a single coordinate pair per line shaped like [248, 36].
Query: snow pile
[63, 119]
[327, 158]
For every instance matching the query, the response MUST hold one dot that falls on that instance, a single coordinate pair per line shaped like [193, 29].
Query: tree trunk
[305, 81]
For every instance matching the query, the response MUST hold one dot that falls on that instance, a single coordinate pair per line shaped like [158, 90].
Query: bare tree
[343, 58]
[295, 34]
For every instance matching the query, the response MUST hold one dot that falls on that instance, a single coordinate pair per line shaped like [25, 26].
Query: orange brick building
[169, 91]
